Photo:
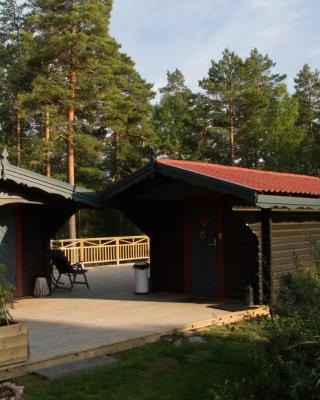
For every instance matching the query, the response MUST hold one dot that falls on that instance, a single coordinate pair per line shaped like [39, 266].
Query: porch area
[108, 318]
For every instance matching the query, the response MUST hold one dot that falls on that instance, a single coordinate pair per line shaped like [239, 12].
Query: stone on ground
[177, 343]
[10, 391]
[57, 371]
[196, 339]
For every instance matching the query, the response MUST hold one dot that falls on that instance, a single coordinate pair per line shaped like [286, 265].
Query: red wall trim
[19, 278]
[186, 247]
[221, 248]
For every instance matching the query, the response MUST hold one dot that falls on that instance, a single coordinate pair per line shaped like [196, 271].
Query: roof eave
[51, 186]
[215, 184]
[128, 181]
[291, 202]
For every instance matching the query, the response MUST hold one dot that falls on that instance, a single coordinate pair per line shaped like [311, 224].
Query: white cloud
[163, 35]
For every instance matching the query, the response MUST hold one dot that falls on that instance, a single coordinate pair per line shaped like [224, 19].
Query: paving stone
[177, 343]
[188, 334]
[196, 339]
[57, 371]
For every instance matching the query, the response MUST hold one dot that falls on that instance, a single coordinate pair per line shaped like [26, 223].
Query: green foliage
[307, 94]
[113, 132]
[14, 73]
[173, 118]
[159, 371]
[6, 297]
[223, 88]
[242, 101]
[282, 138]
[293, 366]
[244, 114]
[290, 368]
[111, 100]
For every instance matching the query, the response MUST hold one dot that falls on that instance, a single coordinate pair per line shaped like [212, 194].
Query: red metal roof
[262, 181]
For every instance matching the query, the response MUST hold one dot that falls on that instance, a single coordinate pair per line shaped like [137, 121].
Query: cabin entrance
[203, 250]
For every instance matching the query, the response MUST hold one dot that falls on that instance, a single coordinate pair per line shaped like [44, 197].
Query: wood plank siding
[35, 246]
[242, 253]
[167, 251]
[291, 234]
[162, 221]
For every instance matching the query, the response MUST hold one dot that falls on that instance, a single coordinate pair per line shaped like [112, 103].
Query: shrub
[6, 297]
[290, 368]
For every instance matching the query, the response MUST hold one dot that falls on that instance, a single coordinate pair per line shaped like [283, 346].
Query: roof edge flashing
[128, 181]
[273, 201]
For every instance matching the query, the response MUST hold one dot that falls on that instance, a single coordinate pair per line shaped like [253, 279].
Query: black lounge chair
[63, 266]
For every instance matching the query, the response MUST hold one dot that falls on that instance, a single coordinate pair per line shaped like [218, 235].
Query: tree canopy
[74, 106]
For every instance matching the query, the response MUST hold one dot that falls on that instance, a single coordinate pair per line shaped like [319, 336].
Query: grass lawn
[160, 371]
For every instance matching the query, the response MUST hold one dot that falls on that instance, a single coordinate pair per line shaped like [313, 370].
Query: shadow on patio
[108, 313]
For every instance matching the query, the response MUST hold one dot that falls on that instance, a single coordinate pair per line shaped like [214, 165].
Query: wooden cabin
[33, 208]
[216, 229]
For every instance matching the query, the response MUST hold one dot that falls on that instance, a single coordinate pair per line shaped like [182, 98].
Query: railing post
[117, 251]
[81, 252]
[113, 249]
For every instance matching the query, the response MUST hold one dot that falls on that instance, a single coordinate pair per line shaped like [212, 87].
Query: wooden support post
[117, 251]
[81, 251]
[19, 272]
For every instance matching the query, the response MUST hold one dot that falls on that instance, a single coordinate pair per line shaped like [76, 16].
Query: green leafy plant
[289, 369]
[6, 297]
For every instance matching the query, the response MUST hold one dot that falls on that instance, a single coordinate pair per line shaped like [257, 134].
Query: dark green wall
[8, 241]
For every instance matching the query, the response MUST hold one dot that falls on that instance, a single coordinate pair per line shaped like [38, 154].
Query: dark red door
[203, 249]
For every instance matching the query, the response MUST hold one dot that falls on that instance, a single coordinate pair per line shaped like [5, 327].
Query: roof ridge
[229, 167]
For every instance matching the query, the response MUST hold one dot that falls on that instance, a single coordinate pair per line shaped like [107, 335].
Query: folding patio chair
[63, 266]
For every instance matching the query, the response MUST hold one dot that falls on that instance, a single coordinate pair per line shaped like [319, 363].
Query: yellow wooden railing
[105, 250]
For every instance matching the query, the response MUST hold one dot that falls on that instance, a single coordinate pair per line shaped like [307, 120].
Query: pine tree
[281, 137]
[130, 135]
[259, 89]
[14, 49]
[83, 76]
[307, 93]
[223, 89]
[74, 38]
[172, 118]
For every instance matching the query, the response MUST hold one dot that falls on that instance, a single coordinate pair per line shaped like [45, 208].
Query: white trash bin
[141, 277]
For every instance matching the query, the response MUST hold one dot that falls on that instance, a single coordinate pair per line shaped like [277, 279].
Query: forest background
[74, 107]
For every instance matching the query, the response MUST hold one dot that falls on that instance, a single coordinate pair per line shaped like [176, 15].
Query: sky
[162, 35]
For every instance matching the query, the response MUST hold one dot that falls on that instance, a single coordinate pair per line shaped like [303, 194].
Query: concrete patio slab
[109, 317]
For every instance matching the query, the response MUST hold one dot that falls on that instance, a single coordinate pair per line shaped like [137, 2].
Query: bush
[292, 365]
[6, 297]
[290, 368]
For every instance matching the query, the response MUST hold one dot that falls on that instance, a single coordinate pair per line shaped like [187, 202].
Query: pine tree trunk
[18, 135]
[70, 150]
[47, 134]
[46, 139]
[70, 134]
[116, 156]
[231, 128]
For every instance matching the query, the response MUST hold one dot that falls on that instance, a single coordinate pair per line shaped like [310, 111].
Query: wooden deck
[107, 318]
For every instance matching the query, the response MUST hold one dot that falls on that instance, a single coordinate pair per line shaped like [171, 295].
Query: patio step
[57, 371]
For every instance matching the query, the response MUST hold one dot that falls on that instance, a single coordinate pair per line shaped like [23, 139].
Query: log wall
[35, 246]
[242, 253]
[291, 237]
[163, 223]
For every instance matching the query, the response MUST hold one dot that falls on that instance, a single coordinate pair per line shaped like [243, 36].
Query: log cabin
[33, 208]
[215, 229]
